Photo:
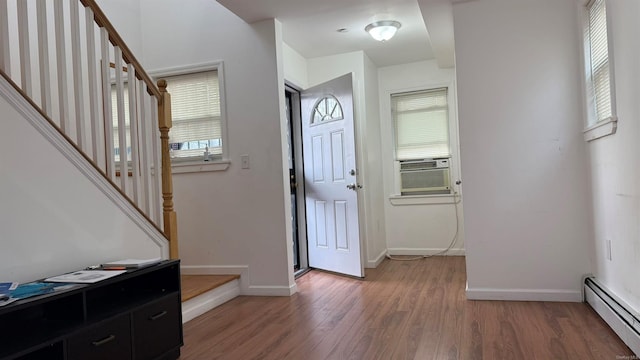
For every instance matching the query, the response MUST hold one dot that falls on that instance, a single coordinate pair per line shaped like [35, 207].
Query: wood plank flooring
[402, 310]
[194, 285]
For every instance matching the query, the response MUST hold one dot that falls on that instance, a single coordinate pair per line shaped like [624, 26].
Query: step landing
[201, 293]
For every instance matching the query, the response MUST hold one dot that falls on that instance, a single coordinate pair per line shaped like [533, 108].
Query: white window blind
[600, 77]
[195, 110]
[421, 124]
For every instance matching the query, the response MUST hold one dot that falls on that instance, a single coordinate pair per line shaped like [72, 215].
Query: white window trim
[192, 165]
[183, 167]
[438, 199]
[601, 129]
[598, 129]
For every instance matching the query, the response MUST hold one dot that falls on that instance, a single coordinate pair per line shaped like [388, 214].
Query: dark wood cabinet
[152, 328]
[110, 339]
[133, 316]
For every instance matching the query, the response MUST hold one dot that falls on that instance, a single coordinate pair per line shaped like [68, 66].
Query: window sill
[601, 129]
[399, 200]
[184, 167]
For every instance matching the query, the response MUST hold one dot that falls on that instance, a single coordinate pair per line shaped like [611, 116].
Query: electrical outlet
[244, 161]
[608, 250]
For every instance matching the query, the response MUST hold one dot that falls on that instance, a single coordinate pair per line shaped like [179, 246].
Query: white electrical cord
[451, 244]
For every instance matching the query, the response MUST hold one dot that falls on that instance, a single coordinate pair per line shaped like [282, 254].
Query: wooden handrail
[102, 21]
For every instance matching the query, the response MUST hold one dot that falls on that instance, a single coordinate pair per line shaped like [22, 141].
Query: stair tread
[194, 285]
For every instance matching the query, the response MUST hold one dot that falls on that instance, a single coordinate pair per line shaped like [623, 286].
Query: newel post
[170, 218]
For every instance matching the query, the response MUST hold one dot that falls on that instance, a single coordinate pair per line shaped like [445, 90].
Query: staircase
[66, 60]
[69, 74]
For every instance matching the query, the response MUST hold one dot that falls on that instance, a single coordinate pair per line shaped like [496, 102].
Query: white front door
[331, 190]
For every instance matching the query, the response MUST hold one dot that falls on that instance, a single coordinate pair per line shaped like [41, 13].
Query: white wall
[371, 135]
[295, 67]
[53, 219]
[419, 226]
[234, 220]
[125, 17]
[614, 162]
[367, 141]
[526, 188]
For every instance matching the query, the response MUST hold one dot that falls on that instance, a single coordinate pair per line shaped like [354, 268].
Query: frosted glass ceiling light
[382, 30]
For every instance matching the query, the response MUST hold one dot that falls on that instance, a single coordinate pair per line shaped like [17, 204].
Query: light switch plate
[244, 161]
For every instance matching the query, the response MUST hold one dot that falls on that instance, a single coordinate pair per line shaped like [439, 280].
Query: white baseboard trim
[524, 294]
[242, 270]
[200, 304]
[257, 290]
[425, 251]
[372, 264]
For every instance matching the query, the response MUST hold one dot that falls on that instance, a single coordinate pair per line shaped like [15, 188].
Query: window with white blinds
[599, 72]
[421, 121]
[195, 111]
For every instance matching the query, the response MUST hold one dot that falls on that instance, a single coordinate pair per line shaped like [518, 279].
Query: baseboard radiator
[614, 312]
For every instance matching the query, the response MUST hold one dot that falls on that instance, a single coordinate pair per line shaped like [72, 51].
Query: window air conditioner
[424, 177]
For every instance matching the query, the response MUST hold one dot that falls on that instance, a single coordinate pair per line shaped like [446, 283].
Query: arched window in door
[326, 109]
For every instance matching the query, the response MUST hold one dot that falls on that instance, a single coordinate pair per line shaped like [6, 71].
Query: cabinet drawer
[52, 351]
[157, 328]
[108, 340]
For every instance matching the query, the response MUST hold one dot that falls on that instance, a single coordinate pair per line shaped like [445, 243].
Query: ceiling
[311, 27]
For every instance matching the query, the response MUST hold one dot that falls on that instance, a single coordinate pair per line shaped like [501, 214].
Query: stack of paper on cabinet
[84, 276]
[131, 263]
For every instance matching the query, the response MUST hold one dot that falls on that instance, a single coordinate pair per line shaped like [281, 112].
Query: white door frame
[299, 168]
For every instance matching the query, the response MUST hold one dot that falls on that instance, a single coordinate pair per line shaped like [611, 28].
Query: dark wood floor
[402, 310]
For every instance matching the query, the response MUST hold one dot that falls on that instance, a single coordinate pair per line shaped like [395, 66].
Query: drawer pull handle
[104, 341]
[158, 315]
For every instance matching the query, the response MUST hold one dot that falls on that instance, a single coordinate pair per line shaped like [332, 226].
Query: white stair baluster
[157, 164]
[122, 125]
[106, 103]
[77, 75]
[143, 110]
[133, 126]
[43, 46]
[93, 84]
[5, 49]
[25, 51]
[61, 63]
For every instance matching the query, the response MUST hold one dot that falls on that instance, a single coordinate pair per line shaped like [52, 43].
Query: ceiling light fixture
[383, 30]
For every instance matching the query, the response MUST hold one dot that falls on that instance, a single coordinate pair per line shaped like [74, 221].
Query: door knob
[352, 187]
